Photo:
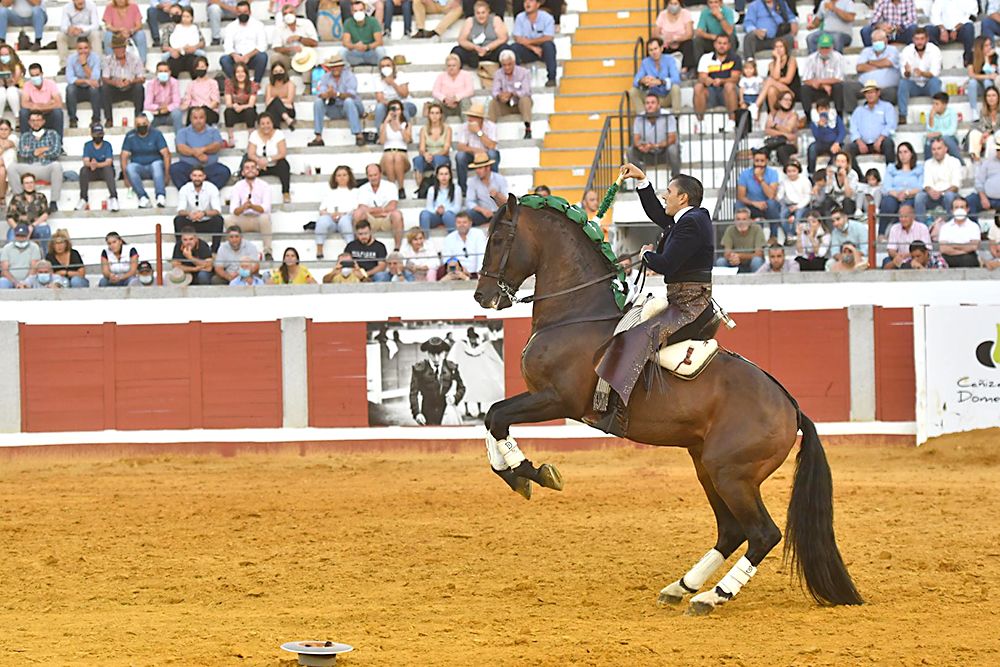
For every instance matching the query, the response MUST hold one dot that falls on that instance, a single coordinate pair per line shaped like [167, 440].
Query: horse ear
[511, 205]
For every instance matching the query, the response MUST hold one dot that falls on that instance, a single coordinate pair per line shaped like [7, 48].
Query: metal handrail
[653, 9]
[727, 189]
[638, 53]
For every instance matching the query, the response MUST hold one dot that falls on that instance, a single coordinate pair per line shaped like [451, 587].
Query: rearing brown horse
[737, 423]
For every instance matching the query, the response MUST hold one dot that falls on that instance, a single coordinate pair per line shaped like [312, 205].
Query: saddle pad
[688, 358]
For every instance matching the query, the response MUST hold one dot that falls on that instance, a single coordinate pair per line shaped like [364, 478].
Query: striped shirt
[897, 14]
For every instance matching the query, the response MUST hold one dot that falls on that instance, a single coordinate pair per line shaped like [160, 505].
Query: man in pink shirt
[454, 87]
[901, 235]
[42, 95]
[250, 205]
[163, 98]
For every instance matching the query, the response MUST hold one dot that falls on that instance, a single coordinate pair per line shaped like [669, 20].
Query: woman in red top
[123, 18]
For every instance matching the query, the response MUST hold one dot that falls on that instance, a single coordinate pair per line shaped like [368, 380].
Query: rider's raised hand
[629, 170]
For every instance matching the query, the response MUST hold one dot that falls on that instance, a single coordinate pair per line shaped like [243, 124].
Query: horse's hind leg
[730, 537]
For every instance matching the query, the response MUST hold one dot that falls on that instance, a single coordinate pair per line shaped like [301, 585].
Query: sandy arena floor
[427, 559]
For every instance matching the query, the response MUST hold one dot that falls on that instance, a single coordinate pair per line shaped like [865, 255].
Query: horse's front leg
[505, 456]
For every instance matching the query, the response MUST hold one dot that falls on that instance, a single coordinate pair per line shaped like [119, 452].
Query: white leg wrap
[703, 569]
[737, 577]
[511, 452]
[494, 454]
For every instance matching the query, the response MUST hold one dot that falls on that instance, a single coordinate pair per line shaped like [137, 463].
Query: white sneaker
[161, 201]
[82, 205]
[754, 110]
[144, 202]
[113, 204]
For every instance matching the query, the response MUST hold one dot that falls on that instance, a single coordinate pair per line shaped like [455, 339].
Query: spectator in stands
[291, 271]
[991, 20]
[984, 71]
[987, 194]
[869, 191]
[421, 258]
[842, 182]
[392, 86]
[453, 88]
[757, 190]
[19, 259]
[465, 243]
[162, 99]
[83, 78]
[192, 257]
[166, 11]
[942, 123]
[250, 205]
[241, 101]
[836, 19]
[879, 65]
[123, 76]
[217, 9]
[743, 244]
[8, 155]
[959, 238]
[268, 148]
[897, 19]
[444, 201]
[482, 37]
[823, 77]
[901, 235]
[144, 276]
[991, 256]
[767, 21]
[247, 274]
[118, 267]
[337, 98]
[231, 253]
[279, 98]
[534, 35]
[512, 91]
[11, 80]
[846, 230]
[362, 37]
[30, 208]
[43, 277]
[751, 85]
[378, 205]
[98, 164]
[122, 19]
[716, 19]
[185, 45]
[904, 180]
[812, 246]
[145, 155]
[776, 262]
[828, 131]
[654, 138]
[368, 252]
[198, 145]
[38, 155]
[41, 95]
[658, 74]
[454, 270]
[434, 149]
[339, 209]
[849, 259]
[718, 77]
[782, 76]
[675, 27]
[199, 206]
[291, 36]
[395, 135]
[477, 135]
[346, 271]
[951, 21]
[79, 19]
[486, 188]
[203, 93]
[23, 13]
[872, 125]
[244, 42]
[921, 257]
[395, 268]
[66, 262]
[794, 195]
[543, 191]
[920, 63]
[782, 129]
[452, 10]
[942, 179]
[982, 139]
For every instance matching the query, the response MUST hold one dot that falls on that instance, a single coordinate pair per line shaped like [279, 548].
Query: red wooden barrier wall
[895, 376]
[338, 388]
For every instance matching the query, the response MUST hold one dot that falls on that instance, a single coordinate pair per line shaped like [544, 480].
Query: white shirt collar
[680, 213]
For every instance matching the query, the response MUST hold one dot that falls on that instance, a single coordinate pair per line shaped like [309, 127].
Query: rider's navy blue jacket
[685, 251]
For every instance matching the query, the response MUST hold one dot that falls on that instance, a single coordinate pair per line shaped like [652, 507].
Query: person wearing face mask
[345, 271]
[675, 26]
[41, 95]
[184, 45]
[850, 259]
[247, 275]
[392, 86]
[165, 11]
[244, 41]
[145, 155]
[879, 65]
[959, 238]
[363, 43]
[44, 277]
[144, 276]
[897, 19]
[98, 164]
[19, 259]
[202, 92]
[83, 79]
[38, 157]
[291, 36]
[163, 99]
[920, 63]
[123, 76]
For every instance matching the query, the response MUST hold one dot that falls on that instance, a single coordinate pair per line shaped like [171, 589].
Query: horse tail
[809, 539]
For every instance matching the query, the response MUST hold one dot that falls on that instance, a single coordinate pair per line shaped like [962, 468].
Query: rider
[684, 256]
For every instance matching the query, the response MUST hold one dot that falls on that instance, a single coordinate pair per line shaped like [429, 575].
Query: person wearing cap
[435, 383]
[199, 145]
[920, 64]
[184, 45]
[41, 95]
[337, 98]
[534, 39]
[877, 64]
[166, 11]
[83, 80]
[199, 205]
[145, 154]
[834, 18]
[763, 21]
[23, 13]
[98, 164]
[823, 76]
[467, 243]
[144, 276]
[454, 87]
[162, 99]
[118, 266]
[476, 135]
[122, 78]
[292, 36]
[80, 18]
[482, 36]
[19, 259]
[244, 41]
[486, 188]
[512, 91]
[192, 259]
[362, 37]
[896, 18]
[872, 125]
[38, 153]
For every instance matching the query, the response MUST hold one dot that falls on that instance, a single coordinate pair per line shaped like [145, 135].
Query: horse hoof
[700, 609]
[666, 599]
[522, 487]
[549, 477]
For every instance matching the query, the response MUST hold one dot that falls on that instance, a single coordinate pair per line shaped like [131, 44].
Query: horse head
[511, 256]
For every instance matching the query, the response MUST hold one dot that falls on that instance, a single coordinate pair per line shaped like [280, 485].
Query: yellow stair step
[579, 121]
[609, 34]
[580, 67]
[586, 84]
[595, 102]
[606, 49]
[561, 177]
[606, 5]
[567, 157]
[574, 139]
[612, 16]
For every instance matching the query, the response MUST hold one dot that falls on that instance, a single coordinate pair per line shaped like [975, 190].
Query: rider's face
[674, 200]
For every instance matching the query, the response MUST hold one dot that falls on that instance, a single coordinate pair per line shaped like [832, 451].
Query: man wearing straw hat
[477, 135]
[337, 98]
[486, 188]
[293, 37]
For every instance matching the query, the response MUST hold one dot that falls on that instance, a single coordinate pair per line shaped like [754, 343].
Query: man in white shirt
[951, 21]
[79, 19]
[378, 203]
[465, 243]
[199, 205]
[959, 238]
[920, 66]
[244, 41]
[942, 179]
[291, 35]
